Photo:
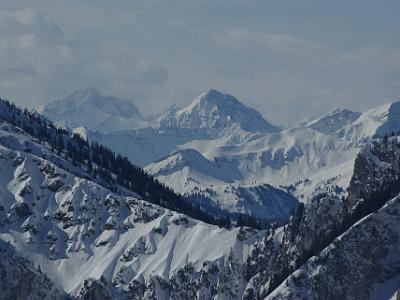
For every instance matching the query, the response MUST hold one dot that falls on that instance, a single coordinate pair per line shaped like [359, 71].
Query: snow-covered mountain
[217, 142]
[90, 109]
[70, 230]
[214, 110]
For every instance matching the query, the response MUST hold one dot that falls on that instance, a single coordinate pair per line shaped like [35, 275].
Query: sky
[290, 59]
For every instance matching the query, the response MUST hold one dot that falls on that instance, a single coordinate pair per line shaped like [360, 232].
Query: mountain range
[78, 221]
[217, 145]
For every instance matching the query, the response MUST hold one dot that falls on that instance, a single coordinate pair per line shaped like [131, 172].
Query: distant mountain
[216, 141]
[90, 109]
[214, 110]
[334, 120]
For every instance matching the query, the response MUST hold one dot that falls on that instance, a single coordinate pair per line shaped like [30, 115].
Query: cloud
[39, 58]
[34, 47]
[148, 73]
[285, 62]
[244, 40]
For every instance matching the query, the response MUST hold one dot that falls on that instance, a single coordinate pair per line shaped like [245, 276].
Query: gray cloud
[40, 60]
[288, 59]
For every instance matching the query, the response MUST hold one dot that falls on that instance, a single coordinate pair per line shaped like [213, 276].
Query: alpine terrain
[80, 221]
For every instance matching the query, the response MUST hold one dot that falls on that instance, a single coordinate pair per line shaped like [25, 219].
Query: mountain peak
[82, 95]
[88, 108]
[217, 97]
[214, 110]
[212, 94]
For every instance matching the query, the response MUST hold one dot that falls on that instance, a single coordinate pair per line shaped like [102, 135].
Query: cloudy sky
[290, 59]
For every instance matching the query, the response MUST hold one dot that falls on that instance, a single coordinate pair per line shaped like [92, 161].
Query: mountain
[216, 142]
[71, 222]
[94, 111]
[214, 110]
[334, 120]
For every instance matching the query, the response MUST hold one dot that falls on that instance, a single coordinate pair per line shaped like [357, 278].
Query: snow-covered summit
[334, 120]
[214, 110]
[94, 111]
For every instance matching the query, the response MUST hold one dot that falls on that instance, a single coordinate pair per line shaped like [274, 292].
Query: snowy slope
[90, 109]
[78, 231]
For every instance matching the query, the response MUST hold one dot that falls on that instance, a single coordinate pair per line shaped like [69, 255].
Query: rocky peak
[214, 110]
